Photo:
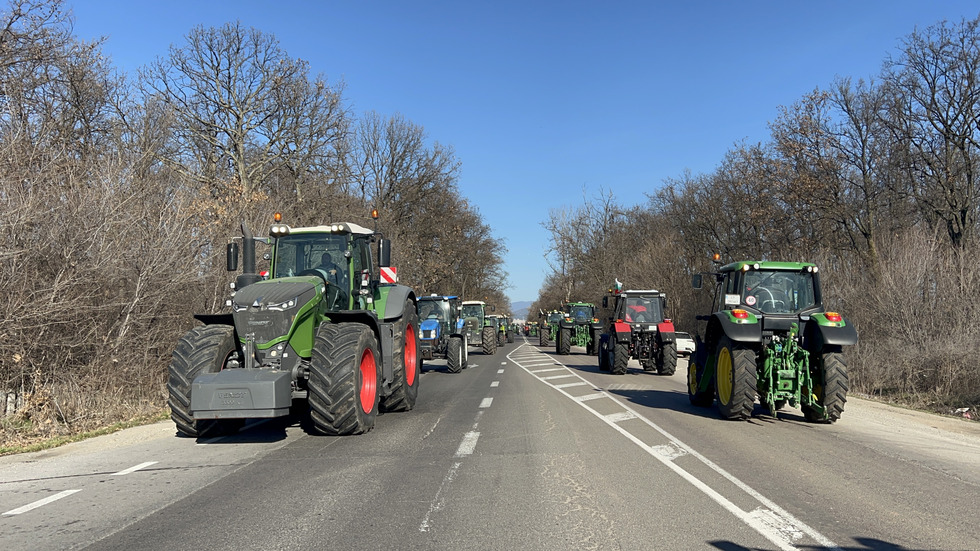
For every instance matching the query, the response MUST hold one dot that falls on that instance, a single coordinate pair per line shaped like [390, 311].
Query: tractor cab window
[778, 292]
[580, 313]
[313, 254]
[472, 310]
[642, 310]
[554, 316]
[432, 309]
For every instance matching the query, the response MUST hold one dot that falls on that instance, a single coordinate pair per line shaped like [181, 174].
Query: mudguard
[749, 331]
[622, 332]
[665, 331]
[395, 303]
[816, 335]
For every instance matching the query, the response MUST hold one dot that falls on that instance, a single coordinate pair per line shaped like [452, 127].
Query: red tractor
[638, 329]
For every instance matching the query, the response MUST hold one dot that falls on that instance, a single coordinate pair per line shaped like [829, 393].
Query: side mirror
[605, 302]
[493, 308]
[696, 281]
[232, 254]
[384, 253]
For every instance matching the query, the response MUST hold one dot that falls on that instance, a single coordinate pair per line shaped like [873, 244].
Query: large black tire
[204, 349]
[454, 355]
[700, 398]
[466, 351]
[593, 347]
[735, 379]
[620, 358]
[543, 337]
[344, 375]
[667, 359]
[563, 341]
[406, 363]
[604, 356]
[830, 386]
[489, 341]
[510, 336]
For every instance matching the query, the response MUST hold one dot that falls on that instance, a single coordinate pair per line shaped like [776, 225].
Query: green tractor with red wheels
[769, 336]
[326, 332]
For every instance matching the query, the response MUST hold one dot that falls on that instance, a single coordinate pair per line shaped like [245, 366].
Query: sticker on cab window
[732, 300]
[750, 300]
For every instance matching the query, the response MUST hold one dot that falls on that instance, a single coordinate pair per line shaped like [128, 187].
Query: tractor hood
[430, 328]
[267, 309]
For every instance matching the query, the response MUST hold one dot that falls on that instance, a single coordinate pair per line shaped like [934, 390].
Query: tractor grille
[260, 310]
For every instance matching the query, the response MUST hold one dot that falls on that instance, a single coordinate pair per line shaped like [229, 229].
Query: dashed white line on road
[500, 371]
[40, 503]
[536, 371]
[565, 376]
[494, 384]
[134, 468]
[468, 444]
[486, 402]
[587, 397]
[579, 383]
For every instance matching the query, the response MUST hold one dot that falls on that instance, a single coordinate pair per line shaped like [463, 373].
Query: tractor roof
[580, 304]
[640, 292]
[342, 227]
[466, 302]
[438, 297]
[766, 265]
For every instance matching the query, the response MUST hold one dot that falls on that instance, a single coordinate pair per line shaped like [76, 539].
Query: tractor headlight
[283, 306]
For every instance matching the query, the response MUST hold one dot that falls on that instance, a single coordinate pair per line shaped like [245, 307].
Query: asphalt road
[526, 450]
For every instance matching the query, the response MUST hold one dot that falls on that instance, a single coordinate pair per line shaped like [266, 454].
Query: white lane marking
[494, 384]
[779, 527]
[134, 468]
[486, 402]
[39, 503]
[619, 416]
[503, 363]
[565, 376]
[566, 385]
[668, 451]
[437, 502]
[431, 429]
[500, 371]
[588, 397]
[468, 444]
[536, 371]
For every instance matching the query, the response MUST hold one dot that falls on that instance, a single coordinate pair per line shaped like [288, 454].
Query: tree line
[119, 192]
[877, 180]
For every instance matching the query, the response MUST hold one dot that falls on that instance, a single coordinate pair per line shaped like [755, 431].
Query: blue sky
[547, 103]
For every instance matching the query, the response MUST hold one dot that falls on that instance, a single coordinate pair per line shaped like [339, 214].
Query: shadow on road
[864, 544]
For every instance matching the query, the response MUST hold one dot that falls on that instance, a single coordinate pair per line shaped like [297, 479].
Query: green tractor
[479, 331]
[578, 326]
[320, 331]
[506, 330]
[770, 335]
[548, 327]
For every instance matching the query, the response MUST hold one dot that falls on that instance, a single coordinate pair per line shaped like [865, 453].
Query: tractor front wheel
[698, 397]
[735, 379]
[406, 362]
[454, 355]
[563, 342]
[344, 374]
[829, 386]
[489, 341]
[204, 349]
[543, 337]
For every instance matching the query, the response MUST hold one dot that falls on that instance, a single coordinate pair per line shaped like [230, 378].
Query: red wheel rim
[369, 381]
[410, 357]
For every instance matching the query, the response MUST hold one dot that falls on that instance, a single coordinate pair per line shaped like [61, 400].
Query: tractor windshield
[472, 310]
[778, 292]
[312, 253]
[554, 316]
[434, 309]
[580, 313]
[640, 309]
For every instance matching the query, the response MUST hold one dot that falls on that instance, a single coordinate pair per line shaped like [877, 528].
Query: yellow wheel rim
[724, 376]
[692, 376]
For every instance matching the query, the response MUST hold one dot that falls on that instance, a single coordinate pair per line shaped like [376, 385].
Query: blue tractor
[443, 334]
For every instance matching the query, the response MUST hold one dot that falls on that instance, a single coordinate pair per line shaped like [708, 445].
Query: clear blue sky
[548, 102]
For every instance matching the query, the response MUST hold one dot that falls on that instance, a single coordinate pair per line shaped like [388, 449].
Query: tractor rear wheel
[620, 358]
[454, 355]
[735, 379]
[543, 337]
[489, 341]
[698, 397]
[204, 349]
[593, 347]
[603, 355]
[406, 362]
[344, 373]
[667, 359]
[829, 386]
[563, 342]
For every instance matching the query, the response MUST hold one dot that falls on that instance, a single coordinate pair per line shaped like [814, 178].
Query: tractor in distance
[578, 326]
[479, 331]
[442, 331]
[638, 329]
[506, 330]
[548, 327]
[768, 334]
[326, 331]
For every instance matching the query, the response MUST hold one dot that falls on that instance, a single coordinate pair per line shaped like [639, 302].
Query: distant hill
[519, 309]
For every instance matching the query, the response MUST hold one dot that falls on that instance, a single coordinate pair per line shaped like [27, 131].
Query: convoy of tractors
[327, 333]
